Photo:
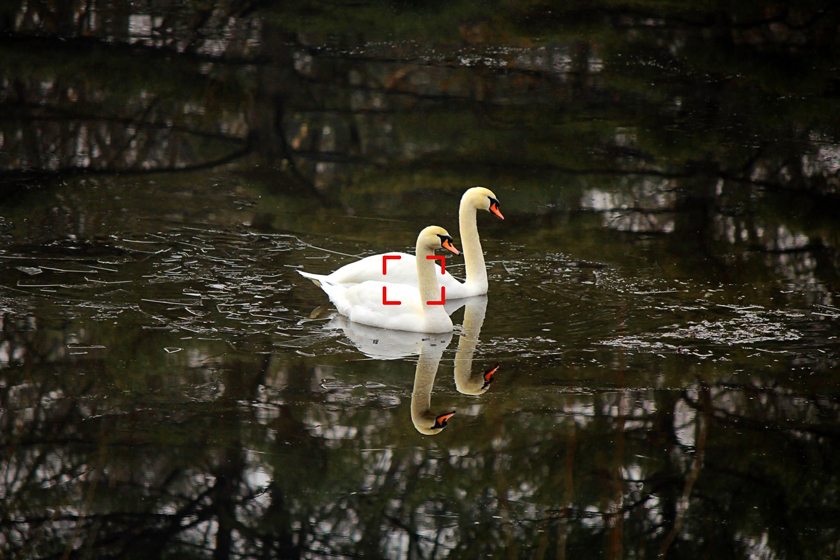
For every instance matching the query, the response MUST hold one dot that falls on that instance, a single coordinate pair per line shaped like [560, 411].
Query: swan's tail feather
[317, 279]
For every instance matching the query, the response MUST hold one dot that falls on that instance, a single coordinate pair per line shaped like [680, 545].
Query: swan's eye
[495, 208]
[448, 243]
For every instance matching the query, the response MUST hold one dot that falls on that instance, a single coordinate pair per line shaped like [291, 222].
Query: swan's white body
[364, 302]
[403, 271]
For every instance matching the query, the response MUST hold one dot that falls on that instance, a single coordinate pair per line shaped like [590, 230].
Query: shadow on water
[663, 300]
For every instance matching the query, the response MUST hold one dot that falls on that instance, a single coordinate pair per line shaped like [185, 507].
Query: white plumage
[403, 271]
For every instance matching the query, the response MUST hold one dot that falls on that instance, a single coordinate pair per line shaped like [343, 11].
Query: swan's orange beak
[440, 421]
[494, 208]
[488, 375]
[449, 246]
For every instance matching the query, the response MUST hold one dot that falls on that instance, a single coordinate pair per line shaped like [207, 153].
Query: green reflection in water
[662, 303]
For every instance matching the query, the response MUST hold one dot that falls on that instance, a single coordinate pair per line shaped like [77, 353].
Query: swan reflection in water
[383, 344]
[467, 381]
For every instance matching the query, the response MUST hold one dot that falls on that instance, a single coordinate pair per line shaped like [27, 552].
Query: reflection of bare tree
[330, 114]
[254, 469]
[56, 126]
[692, 475]
[66, 457]
[218, 478]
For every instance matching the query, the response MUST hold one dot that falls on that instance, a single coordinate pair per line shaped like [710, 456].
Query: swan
[365, 302]
[403, 272]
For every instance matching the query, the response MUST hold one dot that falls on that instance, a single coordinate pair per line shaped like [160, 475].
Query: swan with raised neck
[473, 199]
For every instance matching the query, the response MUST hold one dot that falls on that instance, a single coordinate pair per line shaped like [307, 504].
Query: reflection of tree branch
[633, 18]
[763, 425]
[702, 430]
[10, 113]
[159, 536]
[571, 512]
[20, 175]
[812, 247]
[775, 186]
[431, 162]
[53, 43]
[333, 157]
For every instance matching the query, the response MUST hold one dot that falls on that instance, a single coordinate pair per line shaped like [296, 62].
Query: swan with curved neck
[365, 302]
[475, 282]
[425, 421]
[467, 381]
[402, 272]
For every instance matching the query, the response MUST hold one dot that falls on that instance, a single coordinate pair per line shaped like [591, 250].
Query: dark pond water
[663, 298]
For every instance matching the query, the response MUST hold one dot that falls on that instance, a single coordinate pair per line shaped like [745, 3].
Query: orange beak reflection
[488, 375]
[447, 244]
[494, 208]
[440, 421]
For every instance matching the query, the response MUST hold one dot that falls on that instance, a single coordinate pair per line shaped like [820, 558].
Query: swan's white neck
[473, 255]
[427, 283]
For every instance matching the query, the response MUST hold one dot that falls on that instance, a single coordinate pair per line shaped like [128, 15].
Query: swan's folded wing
[402, 270]
[370, 295]
[397, 271]
[365, 305]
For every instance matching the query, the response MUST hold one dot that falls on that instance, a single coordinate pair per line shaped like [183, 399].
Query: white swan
[403, 271]
[366, 302]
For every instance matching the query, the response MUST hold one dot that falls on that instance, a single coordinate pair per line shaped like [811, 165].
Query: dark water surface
[663, 296]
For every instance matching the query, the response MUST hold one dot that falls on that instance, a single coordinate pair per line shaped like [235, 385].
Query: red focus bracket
[385, 259]
[442, 299]
[385, 298]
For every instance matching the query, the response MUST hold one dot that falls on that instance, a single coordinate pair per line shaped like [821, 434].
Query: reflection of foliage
[660, 117]
[142, 120]
[650, 95]
[167, 469]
